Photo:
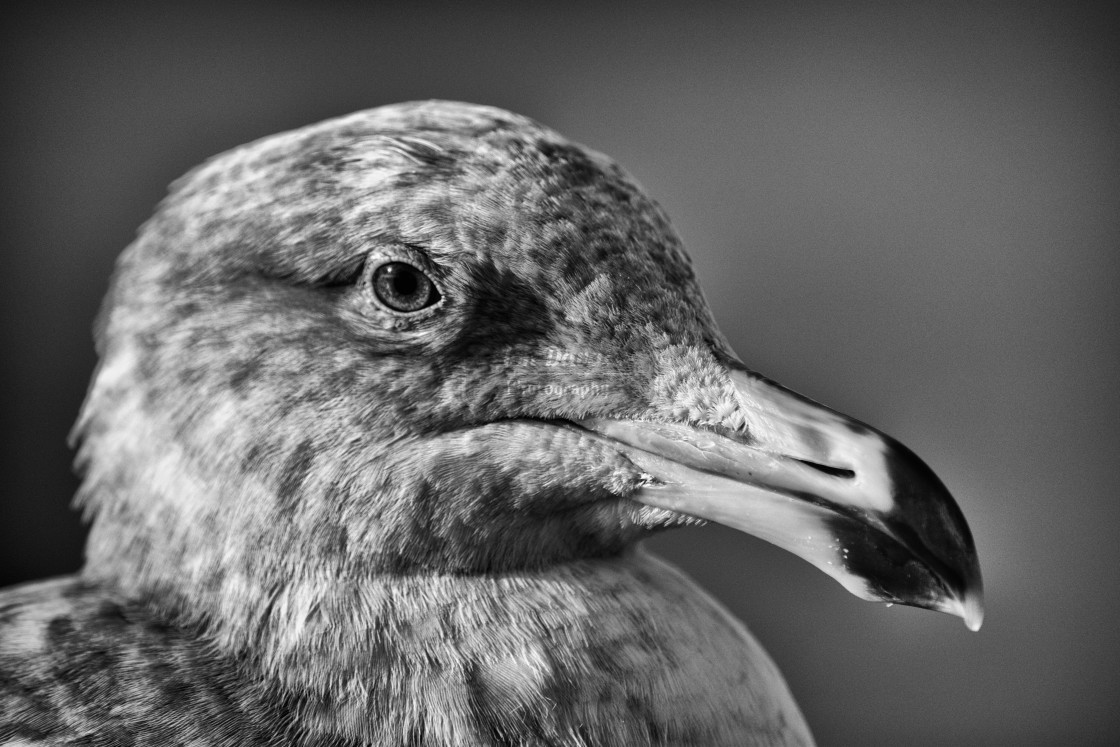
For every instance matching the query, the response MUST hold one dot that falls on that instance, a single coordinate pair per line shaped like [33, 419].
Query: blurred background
[910, 212]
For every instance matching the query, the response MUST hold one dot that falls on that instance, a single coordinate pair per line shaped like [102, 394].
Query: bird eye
[402, 287]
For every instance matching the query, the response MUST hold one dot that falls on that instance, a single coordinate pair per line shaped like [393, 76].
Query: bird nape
[384, 409]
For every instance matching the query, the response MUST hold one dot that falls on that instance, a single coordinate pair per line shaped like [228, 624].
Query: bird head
[437, 337]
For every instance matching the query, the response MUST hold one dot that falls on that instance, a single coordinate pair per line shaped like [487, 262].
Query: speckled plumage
[316, 521]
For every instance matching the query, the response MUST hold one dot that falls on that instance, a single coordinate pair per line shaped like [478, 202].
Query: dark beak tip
[929, 522]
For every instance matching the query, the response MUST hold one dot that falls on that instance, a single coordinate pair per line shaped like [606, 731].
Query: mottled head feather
[268, 448]
[259, 417]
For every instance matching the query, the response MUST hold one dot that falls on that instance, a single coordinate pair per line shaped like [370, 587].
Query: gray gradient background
[909, 213]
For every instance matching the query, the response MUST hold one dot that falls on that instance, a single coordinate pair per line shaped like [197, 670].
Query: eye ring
[403, 287]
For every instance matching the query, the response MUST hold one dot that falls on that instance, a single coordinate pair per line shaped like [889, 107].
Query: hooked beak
[850, 500]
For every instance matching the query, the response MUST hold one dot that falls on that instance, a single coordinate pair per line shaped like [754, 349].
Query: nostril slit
[846, 474]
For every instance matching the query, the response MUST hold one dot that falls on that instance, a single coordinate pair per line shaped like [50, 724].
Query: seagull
[384, 409]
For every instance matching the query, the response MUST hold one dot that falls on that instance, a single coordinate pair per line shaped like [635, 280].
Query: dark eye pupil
[404, 283]
[402, 287]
